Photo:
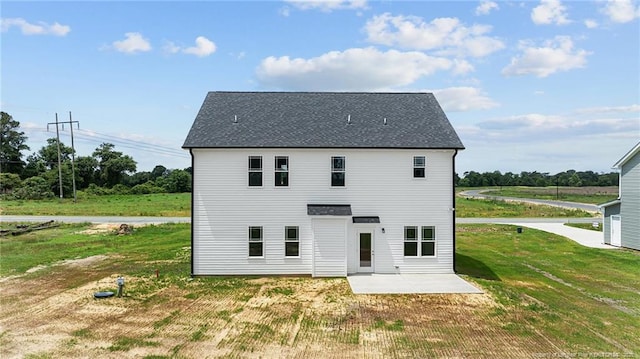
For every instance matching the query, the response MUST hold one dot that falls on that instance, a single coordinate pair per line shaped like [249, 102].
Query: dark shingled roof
[329, 209]
[320, 120]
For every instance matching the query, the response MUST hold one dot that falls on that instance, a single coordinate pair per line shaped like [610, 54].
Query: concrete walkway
[409, 284]
[585, 237]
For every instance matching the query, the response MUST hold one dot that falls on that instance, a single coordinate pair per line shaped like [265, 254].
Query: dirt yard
[51, 312]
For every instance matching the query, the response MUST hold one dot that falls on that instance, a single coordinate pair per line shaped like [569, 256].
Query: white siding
[378, 183]
[630, 206]
[329, 247]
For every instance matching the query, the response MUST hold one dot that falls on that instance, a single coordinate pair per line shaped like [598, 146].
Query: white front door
[616, 229]
[365, 252]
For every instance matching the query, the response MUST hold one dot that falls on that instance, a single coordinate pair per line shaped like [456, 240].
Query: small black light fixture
[382, 229]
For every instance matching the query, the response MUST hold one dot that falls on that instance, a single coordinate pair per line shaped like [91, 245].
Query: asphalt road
[477, 193]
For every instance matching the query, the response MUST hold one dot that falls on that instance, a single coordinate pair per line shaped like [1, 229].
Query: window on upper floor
[419, 167]
[255, 171]
[291, 241]
[255, 242]
[338, 171]
[282, 171]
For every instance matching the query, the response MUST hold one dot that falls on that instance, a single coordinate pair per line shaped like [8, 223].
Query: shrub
[33, 188]
[120, 189]
[96, 190]
[147, 188]
[9, 181]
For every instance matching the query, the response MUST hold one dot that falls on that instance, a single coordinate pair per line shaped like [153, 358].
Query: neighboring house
[622, 216]
[322, 184]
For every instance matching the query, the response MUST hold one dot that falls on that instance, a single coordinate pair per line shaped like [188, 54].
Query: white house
[622, 216]
[322, 184]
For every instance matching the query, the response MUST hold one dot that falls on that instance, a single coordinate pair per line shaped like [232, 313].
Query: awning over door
[329, 209]
[365, 219]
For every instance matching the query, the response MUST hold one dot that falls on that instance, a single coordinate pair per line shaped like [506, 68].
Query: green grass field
[160, 205]
[544, 294]
[179, 205]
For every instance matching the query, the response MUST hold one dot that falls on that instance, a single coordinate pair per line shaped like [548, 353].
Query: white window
[255, 242]
[419, 167]
[291, 241]
[255, 171]
[338, 171]
[282, 171]
[425, 247]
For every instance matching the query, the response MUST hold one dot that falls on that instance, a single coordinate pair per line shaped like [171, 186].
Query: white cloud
[454, 99]
[550, 12]
[357, 69]
[133, 43]
[555, 55]
[621, 11]
[170, 48]
[204, 47]
[609, 109]
[485, 7]
[326, 5]
[590, 23]
[446, 35]
[42, 28]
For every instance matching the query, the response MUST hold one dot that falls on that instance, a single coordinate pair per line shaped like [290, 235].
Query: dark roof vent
[384, 121]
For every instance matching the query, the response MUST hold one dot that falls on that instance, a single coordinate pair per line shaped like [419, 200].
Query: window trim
[280, 170]
[287, 239]
[251, 170]
[343, 170]
[419, 240]
[428, 240]
[423, 167]
[415, 240]
[253, 240]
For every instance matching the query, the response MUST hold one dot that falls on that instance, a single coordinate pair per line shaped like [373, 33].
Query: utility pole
[59, 161]
[73, 155]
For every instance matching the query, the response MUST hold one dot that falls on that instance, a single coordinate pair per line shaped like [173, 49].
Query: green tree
[176, 181]
[112, 165]
[85, 171]
[12, 143]
[49, 153]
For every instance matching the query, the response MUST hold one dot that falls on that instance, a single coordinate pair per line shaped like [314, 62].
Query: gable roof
[634, 151]
[321, 120]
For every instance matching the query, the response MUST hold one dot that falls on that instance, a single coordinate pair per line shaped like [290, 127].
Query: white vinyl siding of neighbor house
[379, 183]
[630, 206]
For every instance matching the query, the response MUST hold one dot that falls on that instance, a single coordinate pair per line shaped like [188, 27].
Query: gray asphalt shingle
[320, 120]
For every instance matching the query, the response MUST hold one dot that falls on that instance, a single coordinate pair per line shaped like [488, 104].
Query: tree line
[105, 171]
[570, 178]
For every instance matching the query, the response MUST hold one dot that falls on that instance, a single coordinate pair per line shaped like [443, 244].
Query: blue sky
[528, 85]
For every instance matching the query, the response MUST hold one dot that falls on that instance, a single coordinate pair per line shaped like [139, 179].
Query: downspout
[453, 190]
[192, 213]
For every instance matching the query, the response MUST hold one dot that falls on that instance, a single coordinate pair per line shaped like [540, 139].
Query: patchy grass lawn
[159, 204]
[591, 195]
[545, 296]
[491, 208]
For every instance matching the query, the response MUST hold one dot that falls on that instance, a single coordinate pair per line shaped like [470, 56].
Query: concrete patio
[409, 284]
